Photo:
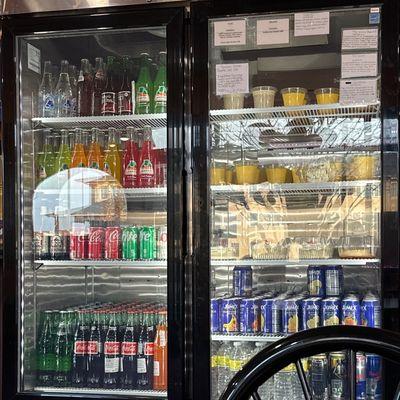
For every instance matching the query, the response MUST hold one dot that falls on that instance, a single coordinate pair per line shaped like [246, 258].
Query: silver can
[162, 243]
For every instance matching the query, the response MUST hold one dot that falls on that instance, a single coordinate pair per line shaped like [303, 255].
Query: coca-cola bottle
[99, 83]
[79, 356]
[124, 95]
[129, 354]
[108, 97]
[145, 357]
[95, 355]
[111, 354]
[85, 88]
[62, 352]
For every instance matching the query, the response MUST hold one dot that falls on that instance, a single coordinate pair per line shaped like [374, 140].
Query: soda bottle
[129, 349]
[99, 84]
[63, 160]
[45, 353]
[59, 238]
[79, 356]
[95, 157]
[111, 354]
[95, 357]
[108, 97]
[85, 89]
[74, 88]
[63, 92]
[160, 353]
[131, 160]
[160, 86]
[161, 168]
[78, 154]
[145, 360]
[45, 162]
[41, 236]
[112, 162]
[46, 106]
[147, 160]
[62, 353]
[143, 86]
[55, 72]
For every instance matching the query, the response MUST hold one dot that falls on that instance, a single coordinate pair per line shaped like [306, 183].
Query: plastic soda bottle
[160, 86]
[46, 357]
[95, 156]
[78, 154]
[63, 160]
[63, 347]
[63, 92]
[143, 86]
[46, 103]
[160, 353]
[147, 160]
[112, 161]
[131, 160]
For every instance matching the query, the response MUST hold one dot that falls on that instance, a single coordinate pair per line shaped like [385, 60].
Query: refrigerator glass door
[294, 179]
[92, 178]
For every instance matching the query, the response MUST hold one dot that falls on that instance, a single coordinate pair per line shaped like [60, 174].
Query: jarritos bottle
[111, 354]
[129, 347]
[160, 354]
[131, 160]
[160, 86]
[45, 352]
[108, 97]
[78, 154]
[95, 354]
[95, 156]
[145, 359]
[144, 86]
[124, 94]
[45, 161]
[99, 83]
[85, 89]
[147, 160]
[63, 347]
[112, 161]
[63, 160]
[79, 356]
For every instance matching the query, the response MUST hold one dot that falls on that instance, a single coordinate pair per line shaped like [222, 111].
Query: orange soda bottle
[161, 354]
[95, 157]
[112, 161]
[78, 154]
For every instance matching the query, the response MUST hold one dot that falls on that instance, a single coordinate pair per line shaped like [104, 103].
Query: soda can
[316, 280]
[319, 376]
[112, 238]
[147, 243]
[330, 313]
[162, 243]
[351, 311]
[96, 243]
[242, 281]
[333, 280]
[130, 246]
[311, 313]
[291, 315]
[230, 315]
[338, 387]
[266, 315]
[374, 376]
[371, 311]
[215, 315]
[361, 377]
[249, 316]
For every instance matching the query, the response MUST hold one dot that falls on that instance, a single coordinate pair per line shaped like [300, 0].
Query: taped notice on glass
[230, 33]
[33, 59]
[232, 78]
[359, 65]
[358, 91]
[311, 23]
[360, 39]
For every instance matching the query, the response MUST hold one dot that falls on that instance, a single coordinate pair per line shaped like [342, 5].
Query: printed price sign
[230, 33]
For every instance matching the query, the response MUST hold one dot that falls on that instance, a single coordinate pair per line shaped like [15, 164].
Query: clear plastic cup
[327, 95]
[233, 101]
[294, 96]
[247, 173]
[264, 96]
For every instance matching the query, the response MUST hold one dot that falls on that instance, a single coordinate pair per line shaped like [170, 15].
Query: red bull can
[330, 313]
[311, 313]
[215, 322]
[333, 280]
[291, 315]
[361, 377]
[351, 311]
[371, 311]
[374, 376]
[249, 316]
[242, 281]
[230, 309]
[316, 280]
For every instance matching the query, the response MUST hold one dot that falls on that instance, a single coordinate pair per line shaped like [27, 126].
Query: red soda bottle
[85, 89]
[147, 160]
[130, 160]
[99, 83]
[108, 97]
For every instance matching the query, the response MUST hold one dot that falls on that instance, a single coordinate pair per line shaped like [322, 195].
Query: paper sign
[356, 65]
[230, 33]
[358, 91]
[311, 23]
[353, 39]
[33, 58]
[232, 78]
[272, 31]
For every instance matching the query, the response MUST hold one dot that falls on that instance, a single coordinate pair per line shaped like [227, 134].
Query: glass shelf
[367, 262]
[247, 338]
[104, 263]
[112, 392]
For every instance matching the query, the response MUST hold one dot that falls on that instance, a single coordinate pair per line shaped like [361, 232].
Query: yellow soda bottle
[78, 154]
[112, 161]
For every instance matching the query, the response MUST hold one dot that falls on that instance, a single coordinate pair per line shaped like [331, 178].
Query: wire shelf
[247, 337]
[367, 262]
[103, 122]
[105, 392]
[104, 263]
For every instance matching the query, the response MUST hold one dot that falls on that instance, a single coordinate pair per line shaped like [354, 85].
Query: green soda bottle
[62, 352]
[63, 160]
[45, 352]
[144, 87]
[160, 86]
[45, 160]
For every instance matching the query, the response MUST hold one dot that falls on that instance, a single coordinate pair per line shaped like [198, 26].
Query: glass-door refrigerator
[92, 271]
[295, 132]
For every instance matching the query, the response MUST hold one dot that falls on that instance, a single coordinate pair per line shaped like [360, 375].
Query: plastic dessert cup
[264, 96]
[361, 167]
[233, 101]
[217, 176]
[294, 96]
[246, 174]
[276, 174]
[327, 96]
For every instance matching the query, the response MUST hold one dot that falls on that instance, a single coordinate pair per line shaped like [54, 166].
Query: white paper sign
[358, 91]
[353, 39]
[232, 78]
[311, 23]
[230, 33]
[355, 65]
[33, 58]
[272, 31]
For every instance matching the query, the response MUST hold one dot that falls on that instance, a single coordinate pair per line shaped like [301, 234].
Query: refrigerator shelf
[102, 122]
[298, 113]
[247, 337]
[116, 392]
[367, 262]
[103, 263]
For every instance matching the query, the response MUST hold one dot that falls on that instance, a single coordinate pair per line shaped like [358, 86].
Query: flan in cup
[264, 96]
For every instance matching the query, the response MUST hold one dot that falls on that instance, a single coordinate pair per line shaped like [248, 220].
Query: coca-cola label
[111, 348]
[80, 347]
[129, 348]
[113, 236]
[124, 102]
[93, 347]
[149, 349]
[96, 236]
[108, 103]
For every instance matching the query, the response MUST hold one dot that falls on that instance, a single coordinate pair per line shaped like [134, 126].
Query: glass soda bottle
[95, 157]
[62, 353]
[144, 86]
[45, 161]
[129, 347]
[147, 160]
[124, 95]
[108, 97]
[160, 354]
[160, 86]
[145, 360]
[63, 92]
[79, 356]
[111, 354]
[112, 161]
[99, 84]
[130, 160]
[74, 88]
[85, 89]
[78, 154]
[95, 355]
[45, 352]
[46, 102]
[63, 160]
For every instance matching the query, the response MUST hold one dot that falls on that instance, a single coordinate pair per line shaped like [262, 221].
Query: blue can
[250, 316]
[330, 313]
[374, 376]
[351, 311]
[361, 377]
[291, 315]
[316, 280]
[311, 313]
[271, 315]
[371, 311]
[215, 315]
[230, 309]
[333, 280]
[242, 281]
